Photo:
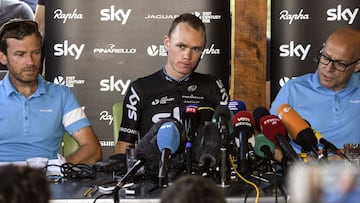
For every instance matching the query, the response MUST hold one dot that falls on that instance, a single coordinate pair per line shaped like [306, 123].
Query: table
[72, 191]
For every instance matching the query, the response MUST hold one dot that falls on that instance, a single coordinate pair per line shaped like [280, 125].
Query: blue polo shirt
[34, 126]
[336, 115]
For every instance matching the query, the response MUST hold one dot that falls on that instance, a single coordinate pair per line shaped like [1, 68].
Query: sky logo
[339, 14]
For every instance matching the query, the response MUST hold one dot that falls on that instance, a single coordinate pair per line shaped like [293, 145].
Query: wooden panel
[248, 73]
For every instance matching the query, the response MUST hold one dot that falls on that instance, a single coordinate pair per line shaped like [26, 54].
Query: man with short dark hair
[34, 113]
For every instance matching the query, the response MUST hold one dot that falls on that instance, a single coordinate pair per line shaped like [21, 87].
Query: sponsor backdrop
[98, 48]
[298, 29]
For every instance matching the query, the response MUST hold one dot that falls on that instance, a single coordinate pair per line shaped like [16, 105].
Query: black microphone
[168, 141]
[222, 115]
[132, 171]
[243, 123]
[190, 121]
[206, 148]
[258, 113]
[205, 113]
[329, 145]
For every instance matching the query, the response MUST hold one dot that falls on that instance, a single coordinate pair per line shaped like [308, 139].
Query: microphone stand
[223, 131]
[188, 146]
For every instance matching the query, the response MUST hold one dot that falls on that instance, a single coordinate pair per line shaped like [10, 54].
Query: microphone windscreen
[258, 113]
[260, 141]
[236, 106]
[205, 113]
[271, 126]
[147, 147]
[298, 128]
[206, 142]
[292, 120]
[168, 137]
[222, 111]
[243, 119]
[191, 109]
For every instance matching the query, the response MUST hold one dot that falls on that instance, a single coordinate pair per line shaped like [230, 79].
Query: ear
[166, 42]
[3, 58]
[357, 67]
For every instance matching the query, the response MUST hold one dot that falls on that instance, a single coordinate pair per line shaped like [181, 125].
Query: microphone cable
[75, 171]
[245, 180]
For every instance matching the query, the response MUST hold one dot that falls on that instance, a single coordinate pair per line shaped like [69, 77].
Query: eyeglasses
[325, 60]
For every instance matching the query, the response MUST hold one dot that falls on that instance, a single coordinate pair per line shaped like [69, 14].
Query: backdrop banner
[298, 30]
[98, 48]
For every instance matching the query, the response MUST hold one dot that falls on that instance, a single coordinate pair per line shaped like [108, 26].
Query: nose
[187, 53]
[30, 59]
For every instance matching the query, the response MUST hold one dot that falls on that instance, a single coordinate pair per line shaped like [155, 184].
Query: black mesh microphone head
[307, 140]
[258, 113]
[223, 111]
[207, 142]
[205, 113]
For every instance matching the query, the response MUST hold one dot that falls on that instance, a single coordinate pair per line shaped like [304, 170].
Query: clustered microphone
[168, 141]
[190, 119]
[243, 123]
[274, 130]
[222, 115]
[258, 113]
[329, 145]
[264, 147]
[298, 129]
[235, 106]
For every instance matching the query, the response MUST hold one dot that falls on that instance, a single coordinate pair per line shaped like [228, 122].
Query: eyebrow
[335, 60]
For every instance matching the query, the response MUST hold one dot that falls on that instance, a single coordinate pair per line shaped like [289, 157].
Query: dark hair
[194, 21]
[22, 184]
[18, 29]
[192, 189]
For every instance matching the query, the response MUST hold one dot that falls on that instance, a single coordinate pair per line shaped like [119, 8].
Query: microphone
[243, 123]
[298, 129]
[236, 106]
[205, 113]
[168, 141]
[274, 130]
[264, 147]
[329, 145]
[206, 147]
[141, 160]
[258, 113]
[190, 120]
[222, 115]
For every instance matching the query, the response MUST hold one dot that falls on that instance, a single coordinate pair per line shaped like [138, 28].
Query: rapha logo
[285, 15]
[210, 51]
[60, 15]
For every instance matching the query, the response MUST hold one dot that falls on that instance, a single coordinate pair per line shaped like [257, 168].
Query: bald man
[329, 99]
